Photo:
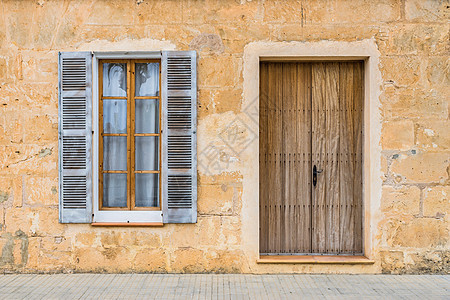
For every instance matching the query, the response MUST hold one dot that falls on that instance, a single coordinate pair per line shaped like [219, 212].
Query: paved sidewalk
[151, 286]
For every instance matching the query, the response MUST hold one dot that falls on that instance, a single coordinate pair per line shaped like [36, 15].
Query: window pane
[147, 191]
[115, 190]
[115, 153]
[147, 79]
[115, 116]
[115, 79]
[147, 153]
[147, 116]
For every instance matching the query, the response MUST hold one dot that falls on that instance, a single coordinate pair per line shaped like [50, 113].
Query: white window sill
[116, 224]
[152, 216]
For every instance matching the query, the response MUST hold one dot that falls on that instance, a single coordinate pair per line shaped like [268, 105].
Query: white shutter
[179, 148]
[75, 137]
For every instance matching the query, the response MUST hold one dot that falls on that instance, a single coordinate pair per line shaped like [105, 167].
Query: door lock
[315, 172]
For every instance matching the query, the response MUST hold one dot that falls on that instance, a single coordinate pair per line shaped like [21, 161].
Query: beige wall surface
[408, 137]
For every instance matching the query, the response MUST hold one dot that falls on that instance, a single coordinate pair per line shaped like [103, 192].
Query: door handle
[315, 172]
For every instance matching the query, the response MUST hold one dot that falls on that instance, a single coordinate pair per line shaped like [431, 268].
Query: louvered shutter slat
[179, 171]
[75, 137]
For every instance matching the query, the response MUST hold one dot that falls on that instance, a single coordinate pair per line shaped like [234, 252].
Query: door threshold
[314, 259]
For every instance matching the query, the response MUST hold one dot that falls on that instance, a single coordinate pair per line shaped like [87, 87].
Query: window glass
[115, 153]
[147, 153]
[114, 116]
[147, 189]
[114, 79]
[147, 79]
[147, 115]
[114, 190]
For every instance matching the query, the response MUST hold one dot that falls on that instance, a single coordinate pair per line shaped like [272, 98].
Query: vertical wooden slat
[279, 178]
[331, 166]
[358, 106]
[319, 156]
[271, 233]
[263, 159]
[303, 152]
[347, 165]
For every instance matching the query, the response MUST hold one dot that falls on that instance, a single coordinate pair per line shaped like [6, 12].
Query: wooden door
[311, 115]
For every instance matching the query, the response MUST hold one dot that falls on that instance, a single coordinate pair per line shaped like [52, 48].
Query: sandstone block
[215, 199]
[155, 12]
[6, 190]
[188, 260]
[231, 231]
[414, 103]
[34, 245]
[392, 261]
[11, 129]
[312, 12]
[86, 239]
[19, 219]
[222, 178]
[414, 39]
[3, 69]
[18, 22]
[208, 232]
[50, 260]
[114, 12]
[47, 222]
[428, 261]
[225, 261]
[421, 233]
[425, 10]
[56, 243]
[183, 236]
[438, 76]
[17, 186]
[41, 191]
[402, 71]
[433, 135]
[421, 167]
[141, 239]
[207, 12]
[436, 201]
[402, 200]
[112, 259]
[218, 71]
[150, 260]
[397, 135]
[41, 129]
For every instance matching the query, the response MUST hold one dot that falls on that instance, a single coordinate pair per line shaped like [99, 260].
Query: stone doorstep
[314, 259]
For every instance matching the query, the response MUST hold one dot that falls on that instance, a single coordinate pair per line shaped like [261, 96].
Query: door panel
[284, 164]
[311, 114]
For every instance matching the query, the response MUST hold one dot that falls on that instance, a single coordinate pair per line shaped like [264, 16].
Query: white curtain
[114, 80]
[147, 79]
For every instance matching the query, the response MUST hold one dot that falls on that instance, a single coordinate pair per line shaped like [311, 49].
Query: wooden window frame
[131, 113]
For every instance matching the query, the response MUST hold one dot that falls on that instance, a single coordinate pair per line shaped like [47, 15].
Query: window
[127, 137]
[130, 139]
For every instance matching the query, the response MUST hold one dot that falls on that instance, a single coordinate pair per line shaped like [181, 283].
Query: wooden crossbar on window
[130, 134]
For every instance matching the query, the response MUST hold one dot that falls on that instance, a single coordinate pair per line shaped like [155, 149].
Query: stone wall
[412, 37]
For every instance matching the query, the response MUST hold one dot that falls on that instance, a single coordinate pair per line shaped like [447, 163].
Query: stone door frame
[307, 51]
